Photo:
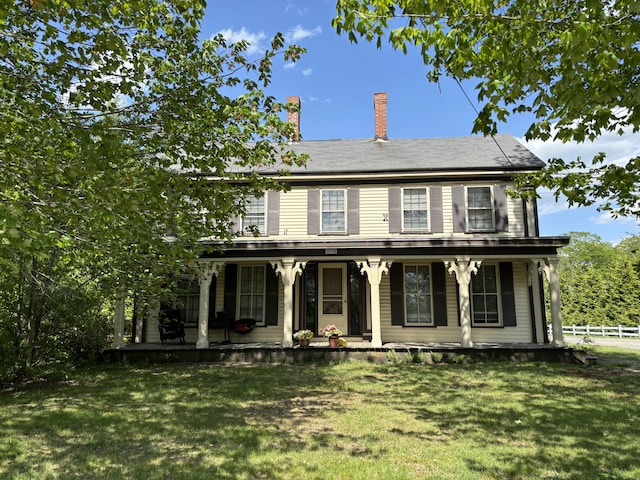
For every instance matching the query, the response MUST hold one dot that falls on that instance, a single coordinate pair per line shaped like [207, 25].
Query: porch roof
[436, 248]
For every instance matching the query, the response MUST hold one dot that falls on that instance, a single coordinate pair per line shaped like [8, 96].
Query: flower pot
[304, 342]
[333, 341]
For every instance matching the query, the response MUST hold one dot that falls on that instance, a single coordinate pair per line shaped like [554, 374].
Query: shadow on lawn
[520, 421]
[146, 425]
[552, 422]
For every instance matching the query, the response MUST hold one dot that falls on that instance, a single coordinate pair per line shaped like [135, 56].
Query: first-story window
[484, 294]
[414, 209]
[480, 209]
[417, 295]
[253, 220]
[252, 292]
[333, 211]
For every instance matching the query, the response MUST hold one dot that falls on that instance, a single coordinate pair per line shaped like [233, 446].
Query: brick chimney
[294, 117]
[380, 114]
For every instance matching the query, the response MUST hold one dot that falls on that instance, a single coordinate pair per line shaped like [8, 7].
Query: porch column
[288, 268]
[463, 268]
[205, 272]
[550, 268]
[375, 268]
[118, 321]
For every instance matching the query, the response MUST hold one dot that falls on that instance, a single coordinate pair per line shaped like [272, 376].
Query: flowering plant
[303, 335]
[331, 331]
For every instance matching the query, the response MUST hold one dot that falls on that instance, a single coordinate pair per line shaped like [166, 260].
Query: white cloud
[619, 148]
[605, 218]
[307, 71]
[292, 8]
[289, 65]
[254, 39]
[299, 33]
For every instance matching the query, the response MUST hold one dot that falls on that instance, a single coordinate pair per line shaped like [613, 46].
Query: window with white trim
[333, 211]
[485, 296]
[251, 292]
[254, 218]
[480, 211]
[417, 295]
[415, 212]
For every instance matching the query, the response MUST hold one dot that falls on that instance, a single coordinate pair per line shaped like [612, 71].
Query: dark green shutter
[439, 286]
[500, 205]
[435, 196]
[395, 210]
[459, 214]
[508, 294]
[313, 211]
[353, 211]
[271, 292]
[396, 278]
[230, 286]
[273, 212]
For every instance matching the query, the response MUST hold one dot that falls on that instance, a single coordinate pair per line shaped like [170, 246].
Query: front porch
[319, 352]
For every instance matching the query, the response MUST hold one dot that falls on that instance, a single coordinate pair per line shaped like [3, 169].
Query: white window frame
[431, 322]
[484, 293]
[246, 228]
[323, 211]
[254, 295]
[426, 210]
[491, 208]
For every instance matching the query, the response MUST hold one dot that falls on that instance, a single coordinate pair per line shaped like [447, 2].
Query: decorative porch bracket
[463, 268]
[205, 272]
[375, 268]
[288, 268]
[549, 266]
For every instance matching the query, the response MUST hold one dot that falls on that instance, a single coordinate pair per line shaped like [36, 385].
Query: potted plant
[333, 333]
[304, 337]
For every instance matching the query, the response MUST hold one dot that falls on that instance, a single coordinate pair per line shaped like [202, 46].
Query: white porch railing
[600, 331]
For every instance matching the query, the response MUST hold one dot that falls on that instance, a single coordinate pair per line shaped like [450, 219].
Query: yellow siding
[293, 214]
[374, 204]
[452, 332]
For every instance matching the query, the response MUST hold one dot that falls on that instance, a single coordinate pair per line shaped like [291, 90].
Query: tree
[599, 283]
[574, 66]
[118, 123]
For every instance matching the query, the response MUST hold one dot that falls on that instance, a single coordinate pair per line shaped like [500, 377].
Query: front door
[332, 293]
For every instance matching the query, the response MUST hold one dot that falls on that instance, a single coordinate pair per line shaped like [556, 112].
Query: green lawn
[349, 421]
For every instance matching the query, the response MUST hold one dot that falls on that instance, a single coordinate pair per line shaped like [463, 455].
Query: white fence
[601, 331]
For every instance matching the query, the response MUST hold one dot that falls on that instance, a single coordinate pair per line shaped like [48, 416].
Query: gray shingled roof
[416, 155]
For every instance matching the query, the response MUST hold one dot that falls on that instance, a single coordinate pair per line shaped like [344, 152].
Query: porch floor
[319, 351]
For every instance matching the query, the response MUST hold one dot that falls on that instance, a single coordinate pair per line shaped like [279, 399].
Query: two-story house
[391, 240]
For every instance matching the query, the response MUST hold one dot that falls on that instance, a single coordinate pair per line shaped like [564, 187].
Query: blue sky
[336, 81]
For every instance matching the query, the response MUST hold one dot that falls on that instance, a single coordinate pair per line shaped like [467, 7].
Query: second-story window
[414, 209]
[480, 209]
[333, 211]
[254, 219]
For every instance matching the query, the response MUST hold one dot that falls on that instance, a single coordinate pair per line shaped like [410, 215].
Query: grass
[347, 421]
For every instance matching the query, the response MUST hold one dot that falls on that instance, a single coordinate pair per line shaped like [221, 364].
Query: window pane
[480, 208]
[333, 221]
[490, 281]
[415, 208]
[417, 289]
[254, 217]
[479, 197]
[485, 302]
[252, 292]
